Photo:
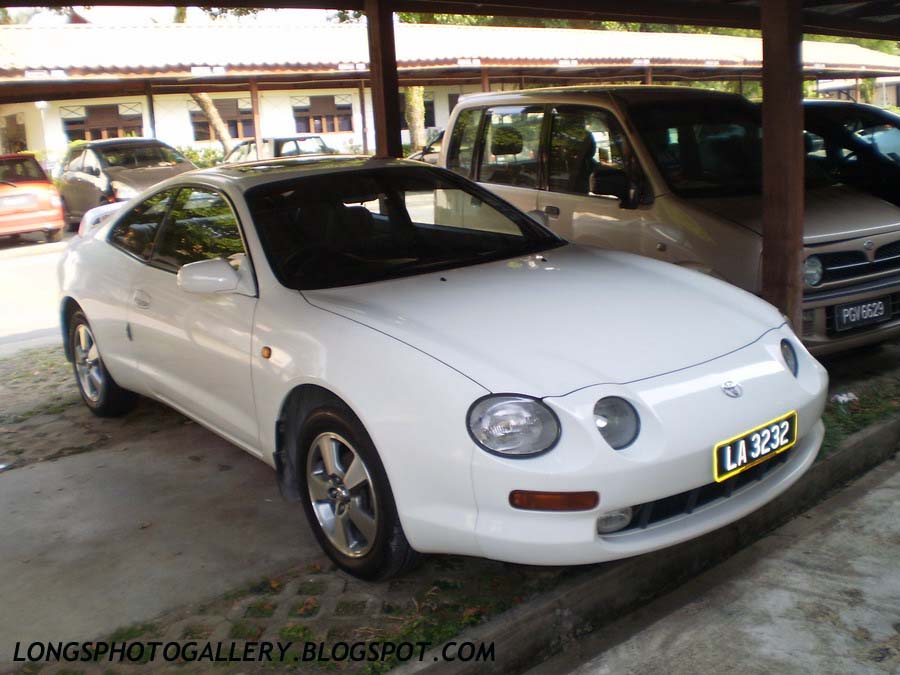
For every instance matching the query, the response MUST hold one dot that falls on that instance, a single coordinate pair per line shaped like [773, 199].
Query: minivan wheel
[347, 497]
[53, 235]
[99, 390]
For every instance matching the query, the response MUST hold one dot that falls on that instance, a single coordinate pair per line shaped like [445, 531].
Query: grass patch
[244, 630]
[350, 608]
[877, 401]
[311, 587]
[196, 632]
[295, 632]
[310, 607]
[133, 632]
[260, 610]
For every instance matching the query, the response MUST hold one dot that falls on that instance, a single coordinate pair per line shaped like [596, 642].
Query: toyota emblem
[732, 389]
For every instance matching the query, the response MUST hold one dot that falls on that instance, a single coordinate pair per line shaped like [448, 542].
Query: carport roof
[89, 51]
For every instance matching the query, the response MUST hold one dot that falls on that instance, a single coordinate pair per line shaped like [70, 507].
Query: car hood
[832, 213]
[547, 326]
[146, 176]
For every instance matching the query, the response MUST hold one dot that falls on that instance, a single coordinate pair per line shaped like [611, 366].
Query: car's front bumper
[684, 414]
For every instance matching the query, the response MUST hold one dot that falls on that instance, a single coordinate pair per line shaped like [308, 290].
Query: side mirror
[612, 183]
[92, 171]
[208, 276]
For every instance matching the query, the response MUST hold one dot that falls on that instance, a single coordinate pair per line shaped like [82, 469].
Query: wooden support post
[741, 84]
[362, 110]
[648, 76]
[383, 69]
[254, 105]
[783, 158]
[485, 81]
[151, 109]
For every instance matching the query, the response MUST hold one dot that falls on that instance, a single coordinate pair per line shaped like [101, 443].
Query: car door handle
[141, 299]
[552, 211]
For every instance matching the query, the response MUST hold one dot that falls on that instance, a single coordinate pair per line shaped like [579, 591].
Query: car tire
[67, 218]
[356, 524]
[54, 235]
[98, 389]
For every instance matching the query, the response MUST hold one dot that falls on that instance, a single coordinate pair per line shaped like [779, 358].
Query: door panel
[582, 140]
[194, 349]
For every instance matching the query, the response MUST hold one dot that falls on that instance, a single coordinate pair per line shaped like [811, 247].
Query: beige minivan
[674, 173]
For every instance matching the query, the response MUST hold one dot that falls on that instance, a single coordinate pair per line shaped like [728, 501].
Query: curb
[526, 635]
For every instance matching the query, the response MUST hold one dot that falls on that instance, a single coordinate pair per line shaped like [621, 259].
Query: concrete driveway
[97, 541]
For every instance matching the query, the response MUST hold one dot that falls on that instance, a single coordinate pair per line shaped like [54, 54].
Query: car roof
[250, 174]
[130, 140]
[630, 94]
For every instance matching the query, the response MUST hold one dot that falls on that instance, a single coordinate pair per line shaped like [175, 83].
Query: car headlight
[813, 271]
[122, 191]
[617, 421]
[512, 425]
[789, 354]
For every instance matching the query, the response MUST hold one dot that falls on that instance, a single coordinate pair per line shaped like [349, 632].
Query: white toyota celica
[429, 370]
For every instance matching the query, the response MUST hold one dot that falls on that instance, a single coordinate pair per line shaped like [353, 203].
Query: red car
[28, 200]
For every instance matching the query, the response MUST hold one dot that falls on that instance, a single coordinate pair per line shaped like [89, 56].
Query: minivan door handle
[141, 299]
[552, 211]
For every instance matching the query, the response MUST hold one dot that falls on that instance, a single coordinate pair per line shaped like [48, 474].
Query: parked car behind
[429, 370]
[288, 146]
[99, 172]
[28, 200]
[675, 174]
[857, 144]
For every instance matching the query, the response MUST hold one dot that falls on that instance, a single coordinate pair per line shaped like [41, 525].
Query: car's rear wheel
[53, 235]
[99, 390]
[347, 497]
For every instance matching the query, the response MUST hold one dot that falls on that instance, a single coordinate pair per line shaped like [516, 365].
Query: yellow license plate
[753, 447]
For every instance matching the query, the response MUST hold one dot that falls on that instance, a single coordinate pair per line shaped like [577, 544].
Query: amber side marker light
[553, 501]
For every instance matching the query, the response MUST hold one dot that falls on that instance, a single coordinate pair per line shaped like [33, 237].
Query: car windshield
[349, 228]
[135, 156]
[705, 150]
[881, 133]
[24, 169]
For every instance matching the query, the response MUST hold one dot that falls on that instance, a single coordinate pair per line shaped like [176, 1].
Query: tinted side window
[582, 140]
[200, 226]
[136, 230]
[462, 141]
[511, 148]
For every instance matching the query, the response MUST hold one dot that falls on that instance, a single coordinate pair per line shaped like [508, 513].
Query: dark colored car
[288, 146]
[857, 144]
[99, 172]
[28, 200]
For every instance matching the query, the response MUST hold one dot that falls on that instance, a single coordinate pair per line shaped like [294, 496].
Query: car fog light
[613, 521]
[617, 421]
[813, 271]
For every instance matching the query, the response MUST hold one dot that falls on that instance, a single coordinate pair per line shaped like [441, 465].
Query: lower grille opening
[657, 511]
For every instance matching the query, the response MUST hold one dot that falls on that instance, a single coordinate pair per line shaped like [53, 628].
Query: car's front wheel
[347, 497]
[98, 389]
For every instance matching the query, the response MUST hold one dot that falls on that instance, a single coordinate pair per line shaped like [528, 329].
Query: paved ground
[97, 541]
[28, 304]
[819, 595]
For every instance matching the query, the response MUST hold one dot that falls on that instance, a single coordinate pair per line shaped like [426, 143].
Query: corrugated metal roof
[177, 46]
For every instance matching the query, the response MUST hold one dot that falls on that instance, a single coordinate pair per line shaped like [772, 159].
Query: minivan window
[136, 230]
[582, 140]
[511, 146]
[353, 228]
[461, 150]
[134, 155]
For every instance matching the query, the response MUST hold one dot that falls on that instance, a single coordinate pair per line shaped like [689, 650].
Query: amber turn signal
[553, 501]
